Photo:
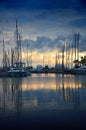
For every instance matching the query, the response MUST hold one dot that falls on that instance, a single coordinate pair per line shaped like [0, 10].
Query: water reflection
[23, 96]
[45, 91]
[71, 91]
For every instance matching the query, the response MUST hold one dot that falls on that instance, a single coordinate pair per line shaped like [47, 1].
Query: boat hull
[15, 74]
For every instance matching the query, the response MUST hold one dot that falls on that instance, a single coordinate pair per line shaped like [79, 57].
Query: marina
[13, 65]
[42, 65]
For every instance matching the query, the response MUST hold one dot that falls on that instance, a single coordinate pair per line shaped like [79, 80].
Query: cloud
[41, 28]
[44, 4]
[45, 44]
[44, 22]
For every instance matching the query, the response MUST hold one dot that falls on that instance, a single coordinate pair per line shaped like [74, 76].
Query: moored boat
[79, 71]
[15, 72]
[18, 72]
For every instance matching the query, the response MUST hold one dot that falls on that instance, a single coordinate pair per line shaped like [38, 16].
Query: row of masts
[18, 44]
[16, 52]
[70, 53]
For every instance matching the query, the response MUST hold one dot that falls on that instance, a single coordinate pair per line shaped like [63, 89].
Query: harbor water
[43, 101]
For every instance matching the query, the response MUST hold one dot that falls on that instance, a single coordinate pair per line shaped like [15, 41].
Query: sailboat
[16, 69]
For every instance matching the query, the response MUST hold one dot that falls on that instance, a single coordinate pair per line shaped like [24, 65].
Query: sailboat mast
[27, 56]
[78, 36]
[20, 54]
[17, 41]
[8, 58]
[12, 56]
[56, 61]
[71, 55]
[75, 36]
[63, 47]
[3, 51]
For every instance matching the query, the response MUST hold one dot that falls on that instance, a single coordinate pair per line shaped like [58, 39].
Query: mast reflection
[70, 90]
[44, 92]
[12, 95]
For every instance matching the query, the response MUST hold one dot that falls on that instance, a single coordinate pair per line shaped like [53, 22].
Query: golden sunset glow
[49, 57]
[38, 58]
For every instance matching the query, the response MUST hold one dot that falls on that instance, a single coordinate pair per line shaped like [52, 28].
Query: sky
[43, 24]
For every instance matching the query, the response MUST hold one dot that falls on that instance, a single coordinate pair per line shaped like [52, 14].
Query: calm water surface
[43, 101]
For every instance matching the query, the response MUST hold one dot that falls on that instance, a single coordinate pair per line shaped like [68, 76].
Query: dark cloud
[43, 44]
[44, 18]
[41, 4]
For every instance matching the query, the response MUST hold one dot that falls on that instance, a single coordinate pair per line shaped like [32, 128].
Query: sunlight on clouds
[49, 58]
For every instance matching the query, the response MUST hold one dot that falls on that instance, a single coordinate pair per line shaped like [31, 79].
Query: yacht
[17, 72]
[80, 70]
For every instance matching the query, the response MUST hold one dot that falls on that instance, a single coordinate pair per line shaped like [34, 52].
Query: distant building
[39, 67]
